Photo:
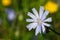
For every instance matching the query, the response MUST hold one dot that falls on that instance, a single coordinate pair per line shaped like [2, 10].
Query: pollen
[51, 7]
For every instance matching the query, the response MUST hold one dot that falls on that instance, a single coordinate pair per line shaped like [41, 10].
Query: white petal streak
[43, 28]
[48, 25]
[41, 11]
[31, 25]
[29, 20]
[35, 12]
[31, 15]
[45, 14]
[48, 20]
[38, 29]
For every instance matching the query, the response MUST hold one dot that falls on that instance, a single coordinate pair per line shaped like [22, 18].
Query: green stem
[15, 23]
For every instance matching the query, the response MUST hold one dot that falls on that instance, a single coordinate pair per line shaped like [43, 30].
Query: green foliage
[21, 7]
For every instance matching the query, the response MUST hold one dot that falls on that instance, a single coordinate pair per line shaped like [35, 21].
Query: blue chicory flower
[38, 21]
[10, 14]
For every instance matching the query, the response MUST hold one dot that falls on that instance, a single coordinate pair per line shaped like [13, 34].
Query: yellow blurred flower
[51, 7]
[17, 33]
[20, 17]
[6, 2]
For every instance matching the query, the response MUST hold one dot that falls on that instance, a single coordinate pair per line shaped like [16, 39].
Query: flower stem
[54, 31]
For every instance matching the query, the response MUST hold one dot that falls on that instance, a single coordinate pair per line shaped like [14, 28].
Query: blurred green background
[16, 29]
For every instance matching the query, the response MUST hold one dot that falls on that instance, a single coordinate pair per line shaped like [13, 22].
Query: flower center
[38, 21]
